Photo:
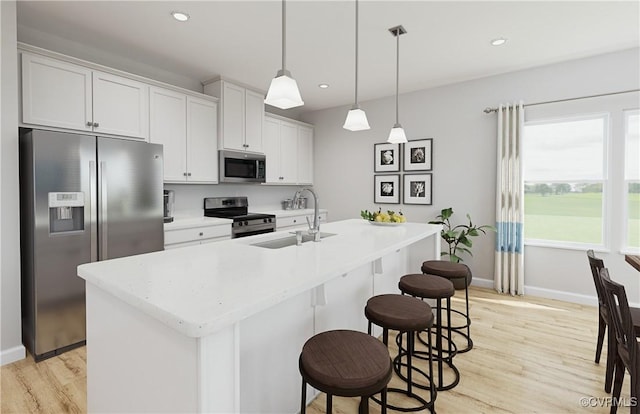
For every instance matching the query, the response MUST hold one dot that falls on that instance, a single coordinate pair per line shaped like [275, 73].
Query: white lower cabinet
[298, 221]
[196, 235]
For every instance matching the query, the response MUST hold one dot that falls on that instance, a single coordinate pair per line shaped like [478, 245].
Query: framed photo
[386, 189]
[387, 157]
[417, 189]
[418, 155]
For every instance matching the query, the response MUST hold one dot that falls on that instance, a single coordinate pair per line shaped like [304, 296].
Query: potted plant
[458, 237]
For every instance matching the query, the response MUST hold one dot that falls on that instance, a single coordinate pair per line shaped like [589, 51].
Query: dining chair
[627, 344]
[596, 265]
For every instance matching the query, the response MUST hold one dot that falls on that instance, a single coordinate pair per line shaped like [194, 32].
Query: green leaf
[446, 213]
[474, 232]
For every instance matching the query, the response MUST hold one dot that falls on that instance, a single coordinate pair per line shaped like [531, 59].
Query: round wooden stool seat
[458, 273]
[345, 363]
[400, 313]
[424, 286]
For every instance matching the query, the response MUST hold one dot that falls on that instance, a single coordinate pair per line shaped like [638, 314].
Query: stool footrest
[424, 404]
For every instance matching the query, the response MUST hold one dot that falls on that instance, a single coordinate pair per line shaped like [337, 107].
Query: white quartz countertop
[201, 289]
[191, 222]
[294, 212]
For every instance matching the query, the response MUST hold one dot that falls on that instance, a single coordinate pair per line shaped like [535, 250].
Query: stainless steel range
[236, 208]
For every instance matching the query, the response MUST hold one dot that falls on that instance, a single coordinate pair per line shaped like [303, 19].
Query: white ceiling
[446, 41]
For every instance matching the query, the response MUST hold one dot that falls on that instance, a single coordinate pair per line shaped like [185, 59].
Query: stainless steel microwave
[242, 167]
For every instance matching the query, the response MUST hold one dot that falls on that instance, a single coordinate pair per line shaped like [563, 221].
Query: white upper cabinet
[69, 96]
[254, 118]
[120, 106]
[202, 140]
[187, 128]
[168, 127]
[289, 151]
[241, 116]
[56, 93]
[305, 155]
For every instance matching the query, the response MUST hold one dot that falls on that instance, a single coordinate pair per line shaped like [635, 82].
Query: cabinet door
[254, 117]
[305, 155]
[168, 126]
[55, 93]
[233, 116]
[202, 140]
[288, 152]
[120, 106]
[272, 149]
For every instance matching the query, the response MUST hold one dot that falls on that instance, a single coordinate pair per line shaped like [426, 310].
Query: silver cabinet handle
[185, 174]
[201, 234]
[189, 174]
[96, 125]
[93, 211]
[89, 123]
[103, 220]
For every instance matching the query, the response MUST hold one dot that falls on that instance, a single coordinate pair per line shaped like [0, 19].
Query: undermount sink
[289, 241]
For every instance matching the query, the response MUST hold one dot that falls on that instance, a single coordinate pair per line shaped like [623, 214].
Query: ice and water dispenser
[66, 212]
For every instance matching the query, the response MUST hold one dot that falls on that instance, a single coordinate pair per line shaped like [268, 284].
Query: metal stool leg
[303, 403]
[329, 403]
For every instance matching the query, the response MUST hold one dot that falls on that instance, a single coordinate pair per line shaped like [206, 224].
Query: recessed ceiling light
[323, 85]
[499, 41]
[180, 16]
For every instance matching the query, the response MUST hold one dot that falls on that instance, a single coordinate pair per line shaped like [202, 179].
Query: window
[632, 179]
[565, 180]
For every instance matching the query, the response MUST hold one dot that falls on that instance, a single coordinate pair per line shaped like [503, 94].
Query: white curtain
[509, 263]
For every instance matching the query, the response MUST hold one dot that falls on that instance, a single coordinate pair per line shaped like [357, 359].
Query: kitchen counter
[180, 223]
[201, 328]
[200, 289]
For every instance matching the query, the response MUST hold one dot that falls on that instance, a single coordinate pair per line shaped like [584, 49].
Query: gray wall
[464, 162]
[11, 348]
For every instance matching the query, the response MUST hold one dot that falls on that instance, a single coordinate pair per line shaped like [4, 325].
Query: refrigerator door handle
[102, 182]
[93, 211]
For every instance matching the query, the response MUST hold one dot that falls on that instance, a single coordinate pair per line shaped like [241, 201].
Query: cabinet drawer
[290, 221]
[196, 234]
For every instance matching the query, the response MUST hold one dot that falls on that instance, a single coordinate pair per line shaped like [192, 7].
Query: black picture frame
[418, 189]
[386, 157]
[418, 155]
[386, 189]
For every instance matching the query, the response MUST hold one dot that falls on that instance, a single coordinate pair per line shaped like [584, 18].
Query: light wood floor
[530, 355]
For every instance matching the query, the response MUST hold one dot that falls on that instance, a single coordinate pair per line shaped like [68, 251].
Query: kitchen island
[219, 327]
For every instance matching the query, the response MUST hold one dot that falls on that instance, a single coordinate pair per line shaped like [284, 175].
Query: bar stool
[461, 276]
[408, 316]
[438, 288]
[347, 364]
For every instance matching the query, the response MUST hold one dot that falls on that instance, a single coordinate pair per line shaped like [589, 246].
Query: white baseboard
[483, 283]
[546, 293]
[14, 354]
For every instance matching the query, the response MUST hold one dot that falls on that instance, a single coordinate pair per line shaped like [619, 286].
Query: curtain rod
[488, 110]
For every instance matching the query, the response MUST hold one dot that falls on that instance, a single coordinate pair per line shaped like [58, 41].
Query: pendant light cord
[356, 103]
[397, 71]
[284, 35]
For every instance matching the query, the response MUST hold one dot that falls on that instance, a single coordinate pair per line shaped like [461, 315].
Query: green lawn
[574, 217]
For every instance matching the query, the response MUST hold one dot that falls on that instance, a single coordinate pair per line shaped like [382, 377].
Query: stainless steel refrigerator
[82, 199]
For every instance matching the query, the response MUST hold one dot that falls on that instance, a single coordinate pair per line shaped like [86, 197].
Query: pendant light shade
[283, 92]
[356, 118]
[397, 135]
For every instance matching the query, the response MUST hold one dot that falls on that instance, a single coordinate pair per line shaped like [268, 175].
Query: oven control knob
[246, 223]
[239, 224]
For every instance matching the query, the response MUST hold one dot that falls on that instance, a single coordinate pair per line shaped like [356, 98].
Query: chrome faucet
[315, 229]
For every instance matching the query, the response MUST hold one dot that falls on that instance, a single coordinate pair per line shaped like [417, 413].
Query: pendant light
[356, 118]
[397, 135]
[283, 92]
